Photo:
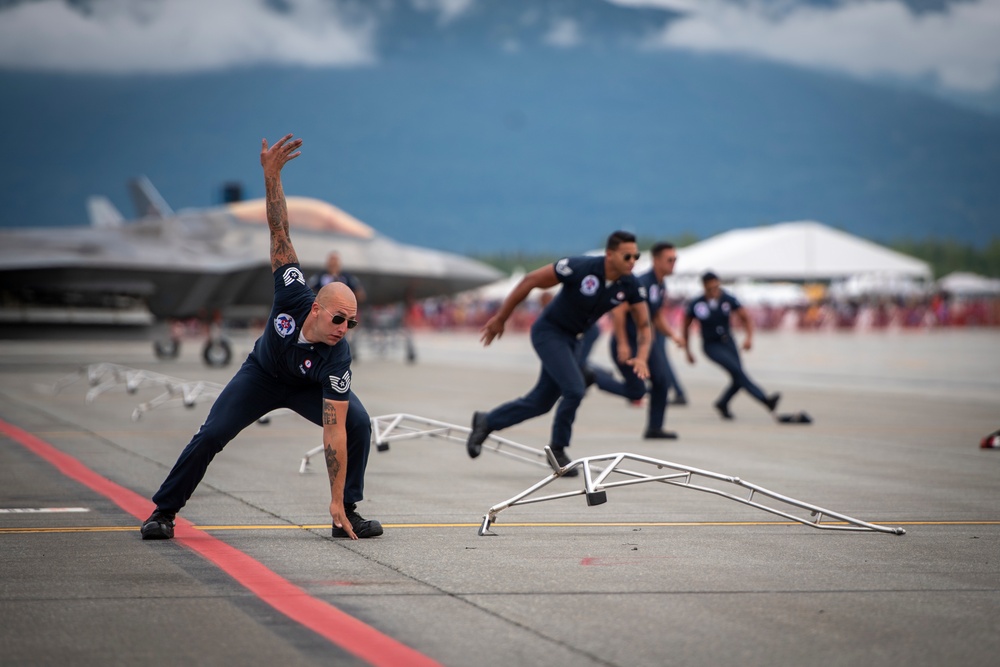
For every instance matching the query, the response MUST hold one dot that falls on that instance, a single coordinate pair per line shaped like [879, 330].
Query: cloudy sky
[954, 48]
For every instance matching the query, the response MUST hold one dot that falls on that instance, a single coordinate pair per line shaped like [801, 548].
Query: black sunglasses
[340, 319]
[627, 256]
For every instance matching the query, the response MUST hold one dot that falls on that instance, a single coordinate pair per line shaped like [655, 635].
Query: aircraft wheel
[167, 349]
[217, 352]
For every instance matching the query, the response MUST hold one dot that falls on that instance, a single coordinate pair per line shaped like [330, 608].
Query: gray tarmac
[658, 575]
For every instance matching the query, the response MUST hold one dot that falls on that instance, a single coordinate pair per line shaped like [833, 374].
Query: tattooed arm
[335, 451]
[273, 159]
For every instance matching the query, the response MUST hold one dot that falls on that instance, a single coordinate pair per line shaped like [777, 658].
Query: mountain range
[502, 129]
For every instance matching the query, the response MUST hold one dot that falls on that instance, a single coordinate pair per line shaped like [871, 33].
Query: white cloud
[170, 36]
[448, 10]
[958, 47]
[676, 5]
[564, 33]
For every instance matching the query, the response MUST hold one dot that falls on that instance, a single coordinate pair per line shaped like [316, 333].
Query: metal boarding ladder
[401, 426]
[104, 376]
[596, 482]
[183, 392]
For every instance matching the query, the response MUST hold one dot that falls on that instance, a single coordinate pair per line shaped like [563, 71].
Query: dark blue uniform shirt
[279, 352]
[586, 295]
[714, 316]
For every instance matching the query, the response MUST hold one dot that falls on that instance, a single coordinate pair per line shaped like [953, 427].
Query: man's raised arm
[273, 159]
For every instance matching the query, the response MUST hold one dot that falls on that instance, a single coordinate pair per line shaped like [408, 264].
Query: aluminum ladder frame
[104, 376]
[401, 426]
[596, 483]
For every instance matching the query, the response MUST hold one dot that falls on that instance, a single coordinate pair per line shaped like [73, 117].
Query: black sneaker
[480, 429]
[772, 401]
[362, 527]
[660, 435]
[679, 400]
[723, 410]
[159, 526]
[564, 461]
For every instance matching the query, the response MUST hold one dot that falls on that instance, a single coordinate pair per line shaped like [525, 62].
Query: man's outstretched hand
[283, 150]
[340, 519]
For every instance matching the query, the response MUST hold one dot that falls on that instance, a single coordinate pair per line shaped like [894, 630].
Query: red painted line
[347, 632]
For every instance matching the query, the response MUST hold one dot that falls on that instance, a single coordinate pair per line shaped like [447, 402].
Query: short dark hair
[660, 247]
[708, 275]
[618, 238]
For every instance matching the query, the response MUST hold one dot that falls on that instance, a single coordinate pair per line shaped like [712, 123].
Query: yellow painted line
[534, 524]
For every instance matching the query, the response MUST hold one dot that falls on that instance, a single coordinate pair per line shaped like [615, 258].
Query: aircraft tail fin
[103, 214]
[147, 199]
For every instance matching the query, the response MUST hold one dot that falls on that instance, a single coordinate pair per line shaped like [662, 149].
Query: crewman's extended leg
[248, 396]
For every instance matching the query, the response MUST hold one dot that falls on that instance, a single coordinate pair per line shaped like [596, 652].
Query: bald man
[301, 362]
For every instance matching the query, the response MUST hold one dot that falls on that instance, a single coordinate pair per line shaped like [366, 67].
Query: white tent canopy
[795, 251]
[969, 284]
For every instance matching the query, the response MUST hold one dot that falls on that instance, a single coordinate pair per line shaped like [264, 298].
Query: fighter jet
[214, 262]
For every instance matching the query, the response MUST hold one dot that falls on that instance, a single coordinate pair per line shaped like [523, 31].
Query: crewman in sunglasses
[591, 286]
[300, 362]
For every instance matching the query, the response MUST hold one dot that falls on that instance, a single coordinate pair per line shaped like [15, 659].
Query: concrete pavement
[656, 576]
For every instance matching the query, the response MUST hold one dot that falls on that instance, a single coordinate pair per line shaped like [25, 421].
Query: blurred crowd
[825, 314]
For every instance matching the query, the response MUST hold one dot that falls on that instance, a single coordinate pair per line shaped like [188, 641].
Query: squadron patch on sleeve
[341, 384]
[293, 274]
[562, 267]
[284, 324]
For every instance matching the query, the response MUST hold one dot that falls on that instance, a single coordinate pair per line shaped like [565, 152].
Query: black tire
[167, 349]
[217, 353]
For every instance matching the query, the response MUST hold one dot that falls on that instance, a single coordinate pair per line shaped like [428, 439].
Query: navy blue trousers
[634, 389]
[726, 355]
[250, 395]
[672, 381]
[586, 343]
[561, 378]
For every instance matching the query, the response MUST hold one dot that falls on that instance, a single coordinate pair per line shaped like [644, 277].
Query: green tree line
[948, 256]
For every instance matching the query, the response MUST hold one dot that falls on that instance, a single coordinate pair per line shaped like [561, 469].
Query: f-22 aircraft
[212, 263]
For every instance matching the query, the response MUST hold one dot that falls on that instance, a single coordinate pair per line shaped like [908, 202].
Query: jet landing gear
[168, 349]
[216, 353]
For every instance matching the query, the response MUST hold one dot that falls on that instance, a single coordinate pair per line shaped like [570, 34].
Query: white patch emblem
[284, 324]
[292, 274]
[590, 285]
[642, 292]
[654, 293]
[341, 384]
[562, 267]
[725, 307]
[701, 310]
[309, 363]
